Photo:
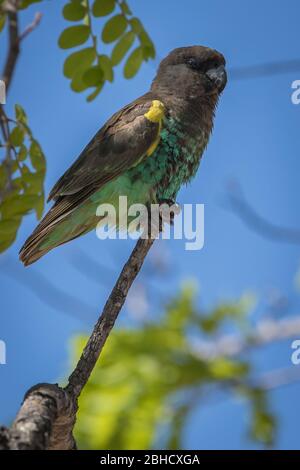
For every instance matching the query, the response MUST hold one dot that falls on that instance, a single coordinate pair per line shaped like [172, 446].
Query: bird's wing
[128, 137]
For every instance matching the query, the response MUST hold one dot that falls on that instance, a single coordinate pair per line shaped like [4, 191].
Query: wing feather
[127, 138]
[118, 146]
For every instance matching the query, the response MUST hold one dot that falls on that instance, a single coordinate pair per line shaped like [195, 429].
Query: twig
[278, 378]
[265, 332]
[266, 69]
[46, 291]
[238, 204]
[36, 21]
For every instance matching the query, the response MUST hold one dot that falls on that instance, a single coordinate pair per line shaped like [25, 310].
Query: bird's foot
[168, 209]
[158, 215]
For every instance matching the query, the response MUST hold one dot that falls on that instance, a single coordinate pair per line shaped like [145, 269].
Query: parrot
[146, 151]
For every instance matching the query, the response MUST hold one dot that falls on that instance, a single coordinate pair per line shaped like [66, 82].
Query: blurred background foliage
[150, 378]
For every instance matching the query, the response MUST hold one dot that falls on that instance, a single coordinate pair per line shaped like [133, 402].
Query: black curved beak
[218, 76]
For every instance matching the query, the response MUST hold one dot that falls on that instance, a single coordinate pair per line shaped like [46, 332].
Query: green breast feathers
[173, 158]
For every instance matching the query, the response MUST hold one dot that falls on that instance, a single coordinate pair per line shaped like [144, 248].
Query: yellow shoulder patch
[156, 111]
[155, 114]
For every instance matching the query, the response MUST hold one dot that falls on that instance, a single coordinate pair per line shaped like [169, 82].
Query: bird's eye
[192, 63]
[214, 64]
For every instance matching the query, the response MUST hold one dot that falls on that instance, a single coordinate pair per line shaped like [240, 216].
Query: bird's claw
[168, 209]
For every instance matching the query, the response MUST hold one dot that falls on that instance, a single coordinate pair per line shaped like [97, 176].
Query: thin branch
[46, 291]
[278, 378]
[238, 204]
[103, 327]
[10, 7]
[265, 332]
[36, 21]
[14, 42]
[266, 69]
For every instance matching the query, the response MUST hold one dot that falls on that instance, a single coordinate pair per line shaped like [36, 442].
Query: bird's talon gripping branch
[168, 209]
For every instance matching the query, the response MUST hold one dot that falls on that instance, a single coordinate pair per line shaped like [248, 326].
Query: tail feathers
[32, 250]
[35, 246]
[54, 230]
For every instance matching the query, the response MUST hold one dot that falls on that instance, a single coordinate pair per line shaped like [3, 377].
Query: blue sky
[255, 140]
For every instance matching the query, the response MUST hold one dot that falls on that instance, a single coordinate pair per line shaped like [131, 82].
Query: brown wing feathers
[115, 148]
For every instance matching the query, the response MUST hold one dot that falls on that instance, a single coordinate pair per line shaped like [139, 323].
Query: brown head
[191, 73]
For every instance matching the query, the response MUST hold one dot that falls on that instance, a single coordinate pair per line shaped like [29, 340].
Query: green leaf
[79, 60]
[148, 46]
[39, 206]
[95, 93]
[25, 170]
[22, 154]
[114, 28]
[77, 83]
[35, 181]
[263, 427]
[93, 76]
[26, 3]
[74, 11]
[37, 157]
[122, 47]
[136, 25]
[106, 66]
[8, 226]
[18, 204]
[3, 176]
[125, 8]
[74, 36]
[5, 244]
[16, 136]
[2, 22]
[20, 114]
[103, 7]
[225, 369]
[133, 63]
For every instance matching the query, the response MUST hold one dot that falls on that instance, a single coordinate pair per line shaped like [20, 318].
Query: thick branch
[45, 420]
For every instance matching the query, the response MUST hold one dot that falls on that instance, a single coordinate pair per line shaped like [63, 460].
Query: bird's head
[192, 72]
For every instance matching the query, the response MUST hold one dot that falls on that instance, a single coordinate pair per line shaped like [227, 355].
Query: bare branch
[238, 204]
[266, 331]
[103, 327]
[36, 21]
[10, 7]
[47, 291]
[14, 42]
[279, 378]
[266, 69]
